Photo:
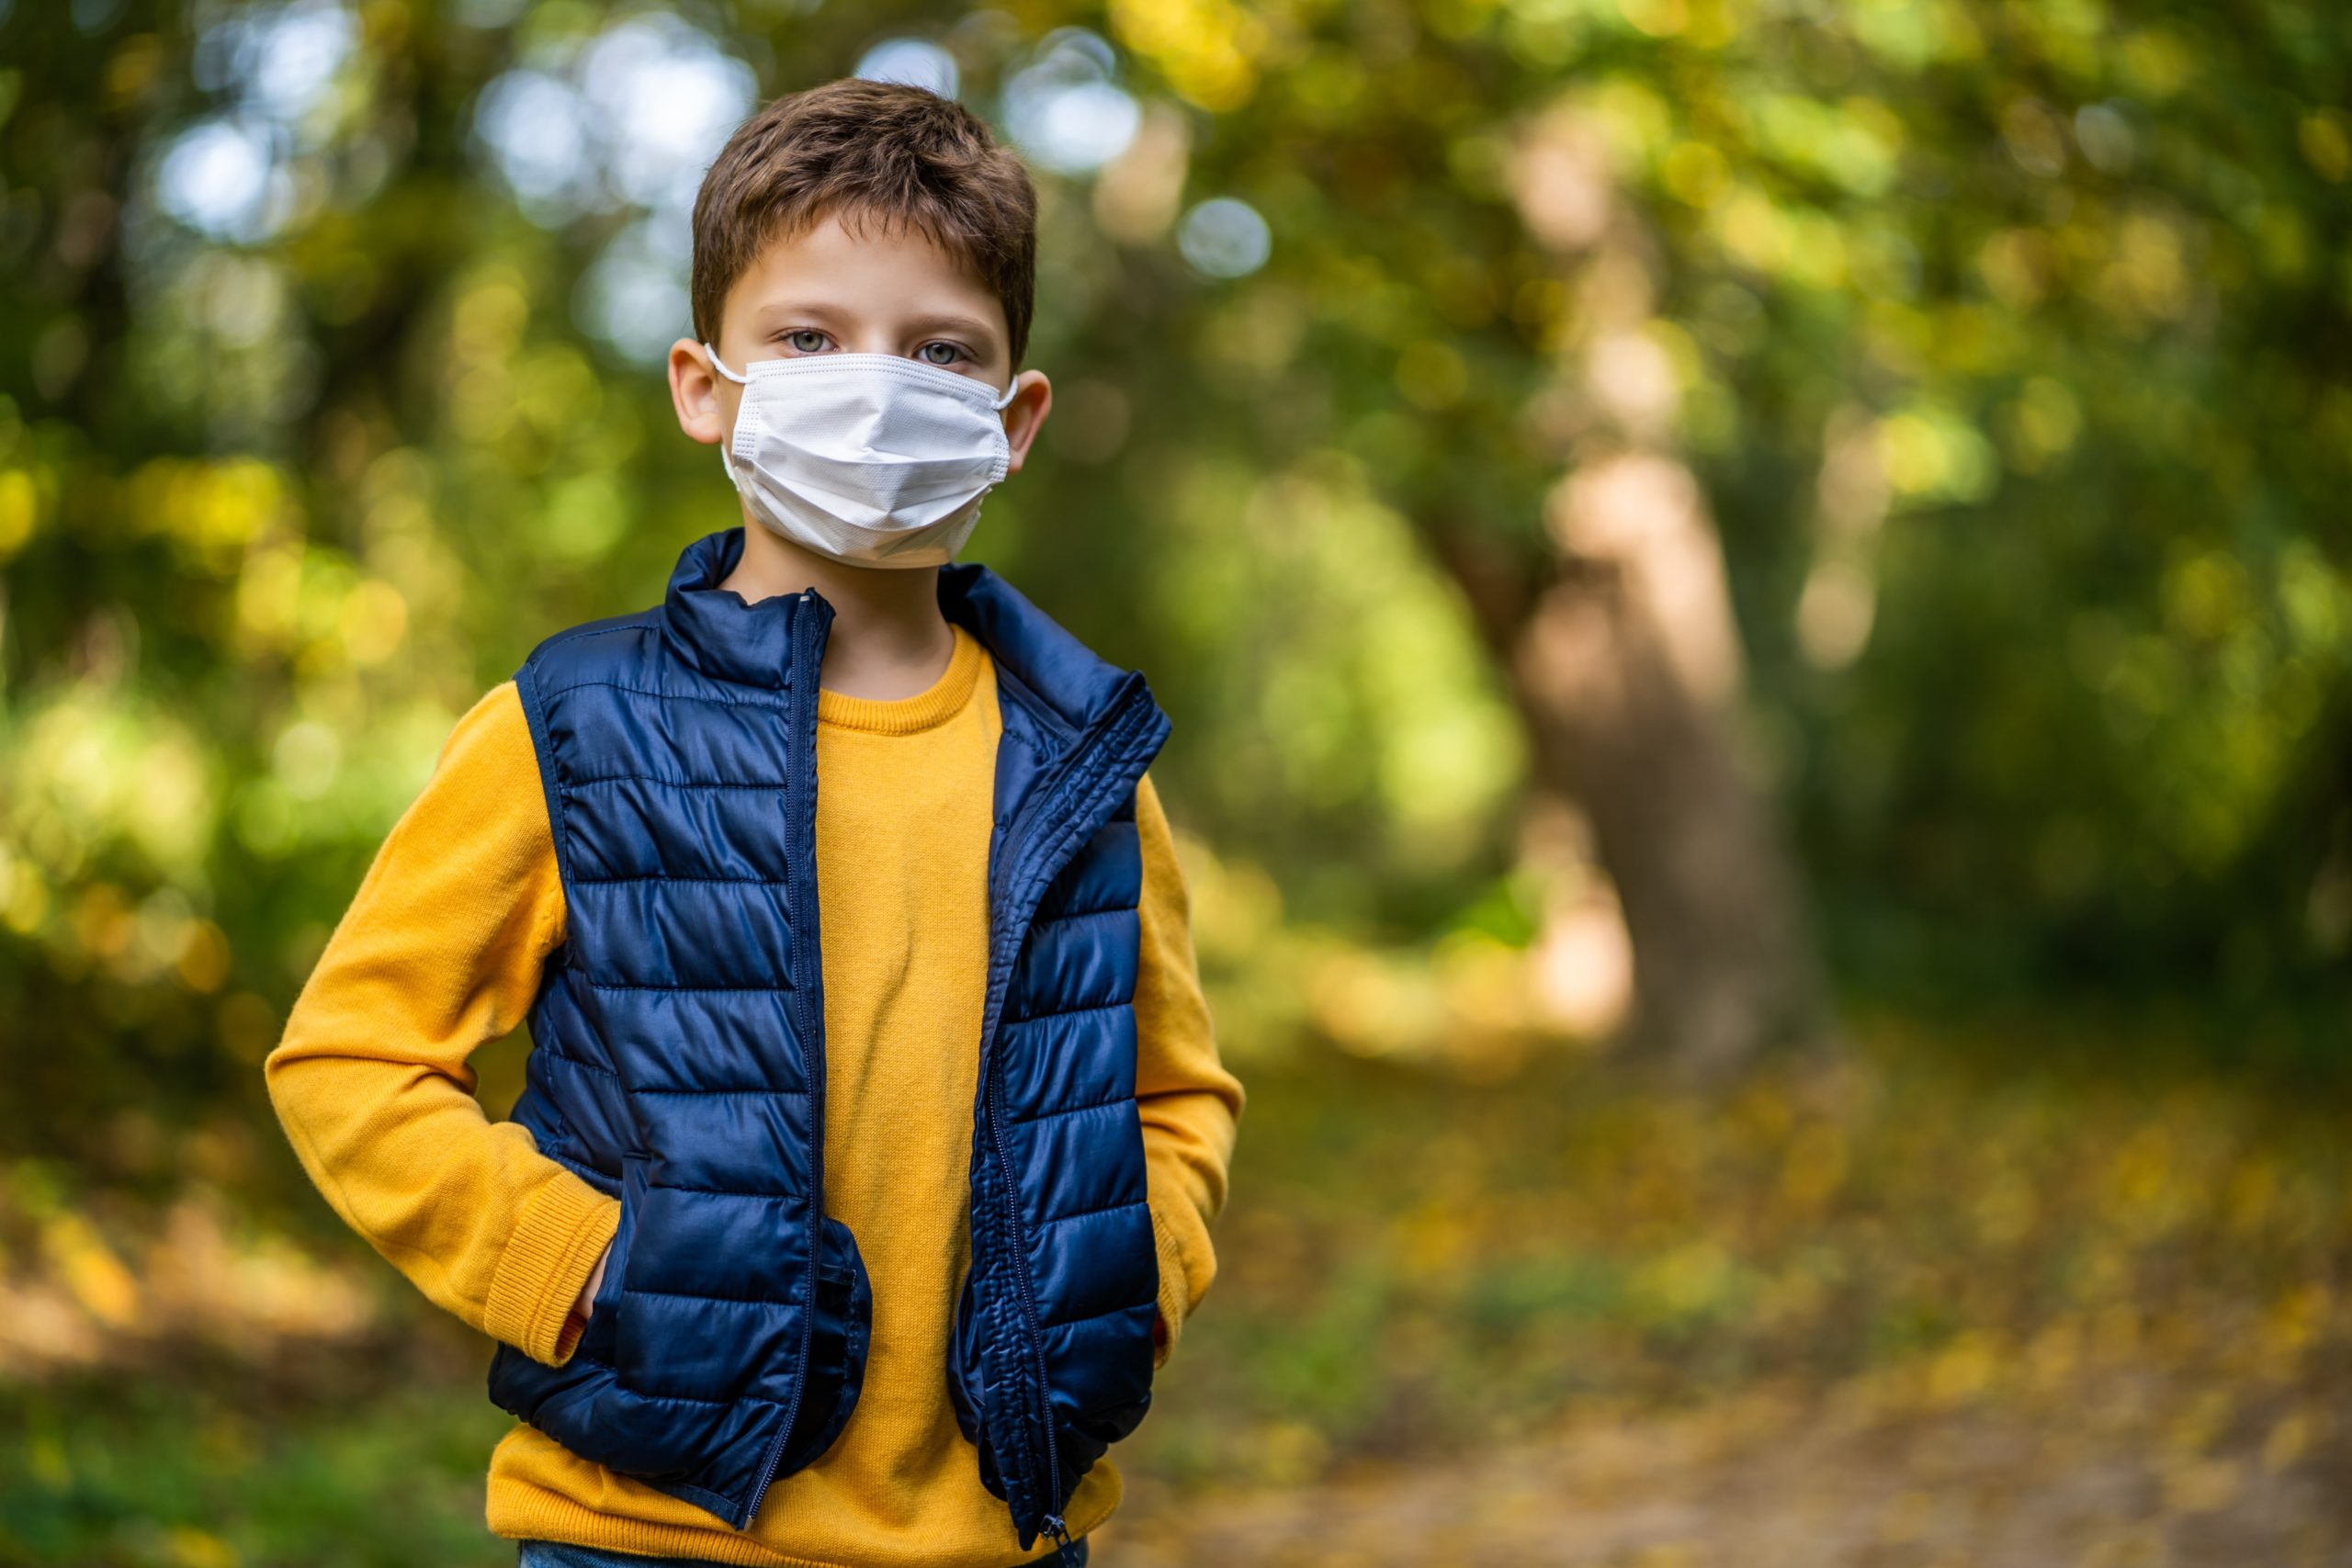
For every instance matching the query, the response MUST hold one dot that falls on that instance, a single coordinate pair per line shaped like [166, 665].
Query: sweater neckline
[926, 709]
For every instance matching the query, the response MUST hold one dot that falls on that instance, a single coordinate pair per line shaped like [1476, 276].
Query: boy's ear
[1025, 413]
[693, 392]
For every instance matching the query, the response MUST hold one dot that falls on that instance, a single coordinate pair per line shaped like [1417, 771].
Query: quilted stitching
[628, 716]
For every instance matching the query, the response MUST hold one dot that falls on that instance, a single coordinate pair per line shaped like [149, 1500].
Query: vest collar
[715, 631]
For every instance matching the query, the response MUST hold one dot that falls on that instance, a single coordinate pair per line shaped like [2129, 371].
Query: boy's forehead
[867, 268]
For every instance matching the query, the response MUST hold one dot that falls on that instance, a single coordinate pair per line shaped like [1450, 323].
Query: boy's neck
[888, 639]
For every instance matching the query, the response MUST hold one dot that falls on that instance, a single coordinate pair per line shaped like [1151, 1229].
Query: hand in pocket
[585, 1307]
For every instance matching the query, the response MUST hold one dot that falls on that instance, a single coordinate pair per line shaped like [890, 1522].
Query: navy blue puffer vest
[678, 1058]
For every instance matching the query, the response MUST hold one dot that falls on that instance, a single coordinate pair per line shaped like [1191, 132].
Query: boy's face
[828, 290]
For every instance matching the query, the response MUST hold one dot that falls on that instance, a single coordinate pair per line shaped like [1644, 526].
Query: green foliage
[2009, 342]
[191, 1472]
[2007, 339]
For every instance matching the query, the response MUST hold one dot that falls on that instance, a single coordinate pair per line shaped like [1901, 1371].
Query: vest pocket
[962, 1360]
[599, 1339]
[844, 1303]
[964, 1384]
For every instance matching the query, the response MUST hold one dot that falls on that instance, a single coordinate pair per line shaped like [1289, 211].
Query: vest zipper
[812, 1030]
[1052, 1523]
[1052, 1480]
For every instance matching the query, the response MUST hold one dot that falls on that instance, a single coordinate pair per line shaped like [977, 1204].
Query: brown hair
[884, 150]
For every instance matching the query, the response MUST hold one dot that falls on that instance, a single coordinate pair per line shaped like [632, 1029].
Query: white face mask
[866, 458]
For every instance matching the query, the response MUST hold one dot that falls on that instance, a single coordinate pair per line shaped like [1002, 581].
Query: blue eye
[953, 353]
[793, 338]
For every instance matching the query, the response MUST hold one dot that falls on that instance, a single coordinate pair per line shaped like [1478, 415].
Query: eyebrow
[947, 320]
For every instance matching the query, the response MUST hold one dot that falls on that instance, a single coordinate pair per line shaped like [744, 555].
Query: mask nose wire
[998, 404]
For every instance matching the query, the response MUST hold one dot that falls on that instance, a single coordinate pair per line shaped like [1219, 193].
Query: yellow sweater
[441, 950]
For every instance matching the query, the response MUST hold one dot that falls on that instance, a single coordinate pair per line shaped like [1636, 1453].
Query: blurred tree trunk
[1622, 650]
[1723, 959]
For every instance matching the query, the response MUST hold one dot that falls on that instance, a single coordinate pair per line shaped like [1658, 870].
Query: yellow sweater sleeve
[1191, 1103]
[440, 952]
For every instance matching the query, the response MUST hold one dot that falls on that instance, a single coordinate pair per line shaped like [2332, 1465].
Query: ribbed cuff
[1174, 1303]
[563, 1229]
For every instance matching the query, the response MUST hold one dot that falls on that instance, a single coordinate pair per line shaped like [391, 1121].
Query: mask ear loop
[726, 455]
[720, 366]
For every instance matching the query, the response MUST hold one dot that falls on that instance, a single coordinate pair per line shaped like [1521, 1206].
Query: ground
[1898, 1312]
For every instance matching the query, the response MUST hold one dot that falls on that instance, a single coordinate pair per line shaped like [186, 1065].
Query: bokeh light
[1064, 110]
[220, 177]
[917, 63]
[1224, 237]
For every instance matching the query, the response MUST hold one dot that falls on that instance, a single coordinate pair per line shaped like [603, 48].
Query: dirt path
[1770, 1484]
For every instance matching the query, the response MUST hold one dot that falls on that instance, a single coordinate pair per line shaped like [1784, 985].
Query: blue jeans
[560, 1554]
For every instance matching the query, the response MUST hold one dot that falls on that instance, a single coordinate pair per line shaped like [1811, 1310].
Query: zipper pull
[1061, 1533]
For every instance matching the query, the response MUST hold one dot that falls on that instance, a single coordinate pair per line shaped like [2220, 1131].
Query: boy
[871, 1076]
